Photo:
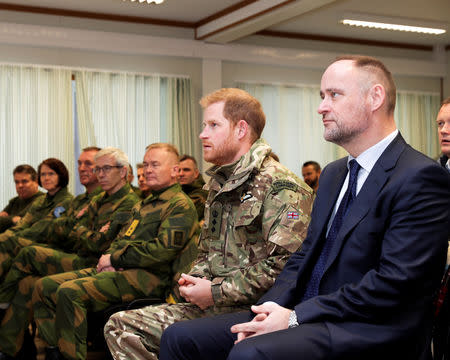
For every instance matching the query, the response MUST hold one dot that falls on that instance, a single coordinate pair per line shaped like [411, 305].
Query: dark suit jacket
[375, 296]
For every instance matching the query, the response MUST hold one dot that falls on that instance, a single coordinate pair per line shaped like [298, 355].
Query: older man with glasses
[77, 242]
[158, 241]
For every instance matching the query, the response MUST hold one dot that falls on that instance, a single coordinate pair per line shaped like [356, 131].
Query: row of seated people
[58, 233]
[256, 216]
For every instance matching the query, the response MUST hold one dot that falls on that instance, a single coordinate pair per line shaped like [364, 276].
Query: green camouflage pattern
[17, 207]
[33, 262]
[136, 334]
[84, 236]
[256, 215]
[33, 227]
[58, 232]
[159, 240]
[198, 196]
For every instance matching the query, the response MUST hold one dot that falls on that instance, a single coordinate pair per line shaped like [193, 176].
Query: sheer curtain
[415, 115]
[182, 128]
[294, 128]
[35, 120]
[131, 111]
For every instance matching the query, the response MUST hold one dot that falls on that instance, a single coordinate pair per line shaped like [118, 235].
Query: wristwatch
[292, 323]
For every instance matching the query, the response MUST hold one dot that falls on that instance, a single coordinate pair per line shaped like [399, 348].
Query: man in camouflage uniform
[192, 183]
[45, 227]
[256, 215]
[25, 179]
[159, 240]
[97, 224]
[36, 222]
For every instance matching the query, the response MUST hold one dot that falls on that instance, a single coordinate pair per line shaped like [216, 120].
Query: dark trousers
[211, 339]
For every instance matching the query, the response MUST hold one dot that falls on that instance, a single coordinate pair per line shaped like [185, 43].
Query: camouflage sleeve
[9, 207]
[27, 219]
[198, 197]
[284, 226]
[200, 267]
[97, 240]
[177, 225]
[38, 230]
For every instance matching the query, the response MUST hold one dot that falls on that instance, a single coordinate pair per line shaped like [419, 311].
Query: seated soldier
[25, 178]
[54, 177]
[97, 224]
[256, 215]
[144, 189]
[192, 183]
[139, 262]
[87, 178]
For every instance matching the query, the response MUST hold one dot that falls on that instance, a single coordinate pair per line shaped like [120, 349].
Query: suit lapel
[330, 186]
[367, 196]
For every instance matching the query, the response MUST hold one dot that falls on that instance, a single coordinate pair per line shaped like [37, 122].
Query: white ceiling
[313, 17]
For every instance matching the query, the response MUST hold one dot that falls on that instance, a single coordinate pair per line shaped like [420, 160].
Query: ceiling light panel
[395, 27]
[147, 1]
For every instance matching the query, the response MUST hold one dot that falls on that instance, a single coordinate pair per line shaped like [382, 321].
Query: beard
[221, 154]
[342, 132]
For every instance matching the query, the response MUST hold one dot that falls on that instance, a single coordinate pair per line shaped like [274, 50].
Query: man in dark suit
[362, 285]
[443, 123]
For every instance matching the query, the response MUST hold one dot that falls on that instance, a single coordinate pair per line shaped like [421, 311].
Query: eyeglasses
[106, 169]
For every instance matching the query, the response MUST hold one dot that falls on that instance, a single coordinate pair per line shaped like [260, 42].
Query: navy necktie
[312, 287]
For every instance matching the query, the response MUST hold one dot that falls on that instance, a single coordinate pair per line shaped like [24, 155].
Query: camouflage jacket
[198, 196]
[161, 236]
[38, 219]
[256, 215]
[85, 236]
[17, 207]
[81, 201]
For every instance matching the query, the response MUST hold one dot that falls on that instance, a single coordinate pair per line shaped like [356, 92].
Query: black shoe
[53, 353]
[4, 356]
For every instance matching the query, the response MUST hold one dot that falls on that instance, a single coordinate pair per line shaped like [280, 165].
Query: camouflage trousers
[61, 302]
[29, 265]
[136, 334]
[10, 245]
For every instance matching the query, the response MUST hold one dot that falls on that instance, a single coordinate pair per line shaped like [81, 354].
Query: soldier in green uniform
[87, 178]
[25, 178]
[192, 183]
[97, 224]
[256, 216]
[54, 177]
[144, 190]
[159, 240]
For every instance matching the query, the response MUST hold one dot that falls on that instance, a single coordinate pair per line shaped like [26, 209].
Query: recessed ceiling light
[148, 1]
[396, 27]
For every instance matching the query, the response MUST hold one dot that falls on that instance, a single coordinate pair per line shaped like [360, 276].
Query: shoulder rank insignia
[132, 227]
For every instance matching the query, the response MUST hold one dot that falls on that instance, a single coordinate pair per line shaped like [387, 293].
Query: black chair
[441, 329]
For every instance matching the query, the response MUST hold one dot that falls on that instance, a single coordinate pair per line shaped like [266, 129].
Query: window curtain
[131, 111]
[294, 128]
[182, 128]
[35, 120]
[415, 115]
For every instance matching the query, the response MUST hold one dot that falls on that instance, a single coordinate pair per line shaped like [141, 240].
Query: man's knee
[245, 350]
[177, 339]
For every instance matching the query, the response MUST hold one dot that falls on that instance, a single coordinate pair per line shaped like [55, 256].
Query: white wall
[50, 40]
